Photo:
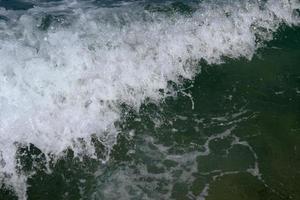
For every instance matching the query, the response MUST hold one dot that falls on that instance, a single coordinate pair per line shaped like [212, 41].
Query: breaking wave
[67, 67]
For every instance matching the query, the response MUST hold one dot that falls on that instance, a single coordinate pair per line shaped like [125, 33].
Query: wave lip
[64, 76]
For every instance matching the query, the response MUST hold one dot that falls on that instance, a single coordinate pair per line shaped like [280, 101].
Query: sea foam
[67, 67]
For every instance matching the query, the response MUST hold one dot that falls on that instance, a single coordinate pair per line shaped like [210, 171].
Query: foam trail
[66, 78]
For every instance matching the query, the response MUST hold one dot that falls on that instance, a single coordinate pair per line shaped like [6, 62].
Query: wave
[67, 67]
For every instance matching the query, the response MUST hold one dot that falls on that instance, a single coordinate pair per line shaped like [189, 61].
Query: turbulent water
[108, 99]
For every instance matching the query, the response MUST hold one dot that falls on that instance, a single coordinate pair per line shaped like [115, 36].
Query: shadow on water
[15, 5]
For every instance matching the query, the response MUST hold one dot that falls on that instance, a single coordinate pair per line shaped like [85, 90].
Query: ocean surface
[149, 100]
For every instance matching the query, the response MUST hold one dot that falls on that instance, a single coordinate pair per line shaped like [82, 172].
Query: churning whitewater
[66, 68]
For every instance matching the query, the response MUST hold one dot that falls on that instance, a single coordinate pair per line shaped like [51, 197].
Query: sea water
[105, 99]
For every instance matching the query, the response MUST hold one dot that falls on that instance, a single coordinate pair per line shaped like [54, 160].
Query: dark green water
[259, 100]
[231, 134]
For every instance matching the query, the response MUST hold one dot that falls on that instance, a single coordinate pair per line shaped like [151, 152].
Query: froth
[66, 78]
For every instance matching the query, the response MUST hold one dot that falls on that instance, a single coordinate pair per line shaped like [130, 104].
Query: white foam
[68, 82]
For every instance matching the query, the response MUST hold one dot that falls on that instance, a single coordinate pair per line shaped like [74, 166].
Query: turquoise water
[225, 127]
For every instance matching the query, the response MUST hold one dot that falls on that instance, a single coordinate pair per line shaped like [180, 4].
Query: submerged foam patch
[64, 74]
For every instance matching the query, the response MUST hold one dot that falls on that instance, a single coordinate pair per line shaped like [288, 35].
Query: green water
[250, 110]
[231, 134]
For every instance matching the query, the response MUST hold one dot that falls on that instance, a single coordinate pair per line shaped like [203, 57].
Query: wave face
[68, 67]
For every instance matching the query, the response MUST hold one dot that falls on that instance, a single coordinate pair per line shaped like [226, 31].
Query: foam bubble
[64, 75]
